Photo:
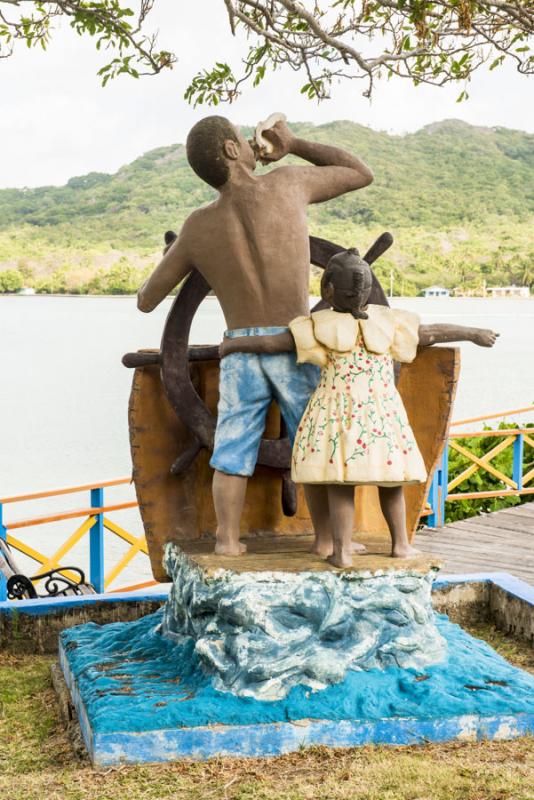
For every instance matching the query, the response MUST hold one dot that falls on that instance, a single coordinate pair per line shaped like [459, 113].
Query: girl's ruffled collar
[340, 332]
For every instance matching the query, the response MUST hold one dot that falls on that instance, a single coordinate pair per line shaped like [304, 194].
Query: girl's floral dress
[355, 429]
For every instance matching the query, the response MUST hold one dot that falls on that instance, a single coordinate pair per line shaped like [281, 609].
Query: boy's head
[346, 283]
[212, 145]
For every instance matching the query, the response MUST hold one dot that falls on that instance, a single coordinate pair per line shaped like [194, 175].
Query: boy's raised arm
[339, 171]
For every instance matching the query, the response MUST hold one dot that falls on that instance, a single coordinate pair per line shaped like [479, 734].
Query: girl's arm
[434, 334]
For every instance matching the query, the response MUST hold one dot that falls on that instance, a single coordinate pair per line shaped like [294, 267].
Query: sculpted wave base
[140, 697]
[259, 634]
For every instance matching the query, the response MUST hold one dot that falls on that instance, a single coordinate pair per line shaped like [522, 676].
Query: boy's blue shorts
[248, 382]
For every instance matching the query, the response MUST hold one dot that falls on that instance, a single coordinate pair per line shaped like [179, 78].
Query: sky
[56, 121]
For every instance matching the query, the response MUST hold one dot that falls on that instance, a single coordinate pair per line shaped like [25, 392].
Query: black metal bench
[56, 584]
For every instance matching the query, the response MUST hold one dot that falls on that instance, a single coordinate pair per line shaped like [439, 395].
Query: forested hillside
[458, 199]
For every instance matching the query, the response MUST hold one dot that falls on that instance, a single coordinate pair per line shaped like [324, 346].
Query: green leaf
[498, 61]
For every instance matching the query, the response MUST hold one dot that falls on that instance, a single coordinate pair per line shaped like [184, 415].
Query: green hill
[458, 199]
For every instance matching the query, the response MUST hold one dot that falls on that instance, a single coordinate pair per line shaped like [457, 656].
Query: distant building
[508, 291]
[26, 290]
[436, 291]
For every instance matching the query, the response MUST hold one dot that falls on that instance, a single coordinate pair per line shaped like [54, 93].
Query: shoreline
[214, 297]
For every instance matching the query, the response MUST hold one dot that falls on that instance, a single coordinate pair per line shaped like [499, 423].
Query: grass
[37, 761]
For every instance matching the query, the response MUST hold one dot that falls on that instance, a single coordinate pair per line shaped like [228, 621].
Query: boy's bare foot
[342, 559]
[404, 551]
[357, 548]
[224, 547]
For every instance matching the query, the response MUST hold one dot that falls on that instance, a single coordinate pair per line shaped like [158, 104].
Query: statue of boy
[251, 245]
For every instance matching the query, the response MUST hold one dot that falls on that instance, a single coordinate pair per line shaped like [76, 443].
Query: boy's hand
[281, 139]
[169, 239]
[484, 337]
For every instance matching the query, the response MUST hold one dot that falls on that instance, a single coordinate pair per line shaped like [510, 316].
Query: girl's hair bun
[348, 264]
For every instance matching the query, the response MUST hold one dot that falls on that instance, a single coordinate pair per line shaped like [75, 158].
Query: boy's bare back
[252, 247]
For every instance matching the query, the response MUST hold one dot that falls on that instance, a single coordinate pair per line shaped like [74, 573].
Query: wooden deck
[502, 541]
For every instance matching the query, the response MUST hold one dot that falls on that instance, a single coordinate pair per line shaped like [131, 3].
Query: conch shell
[262, 145]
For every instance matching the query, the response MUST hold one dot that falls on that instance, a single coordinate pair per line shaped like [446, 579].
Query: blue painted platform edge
[513, 586]
[51, 605]
[83, 719]
[277, 738]
[509, 583]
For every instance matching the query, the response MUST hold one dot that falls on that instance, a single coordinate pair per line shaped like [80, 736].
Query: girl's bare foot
[224, 547]
[404, 551]
[341, 559]
[325, 548]
[321, 550]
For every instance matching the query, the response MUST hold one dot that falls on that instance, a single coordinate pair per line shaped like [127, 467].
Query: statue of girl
[355, 430]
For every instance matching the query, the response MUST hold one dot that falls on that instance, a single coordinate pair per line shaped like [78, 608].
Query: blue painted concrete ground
[131, 679]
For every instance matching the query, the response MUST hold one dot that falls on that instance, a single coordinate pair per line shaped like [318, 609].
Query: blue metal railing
[438, 490]
[3, 536]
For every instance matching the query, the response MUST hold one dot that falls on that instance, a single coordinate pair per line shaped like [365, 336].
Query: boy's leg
[394, 510]
[244, 398]
[341, 507]
[228, 499]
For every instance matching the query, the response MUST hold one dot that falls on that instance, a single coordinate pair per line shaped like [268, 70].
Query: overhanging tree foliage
[113, 25]
[325, 40]
[427, 42]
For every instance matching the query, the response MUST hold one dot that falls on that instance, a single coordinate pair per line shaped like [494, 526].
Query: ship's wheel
[176, 353]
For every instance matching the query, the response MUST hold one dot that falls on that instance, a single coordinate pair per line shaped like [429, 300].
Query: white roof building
[436, 291]
[508, 291]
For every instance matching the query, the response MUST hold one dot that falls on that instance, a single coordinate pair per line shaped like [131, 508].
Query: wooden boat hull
[180, 508]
